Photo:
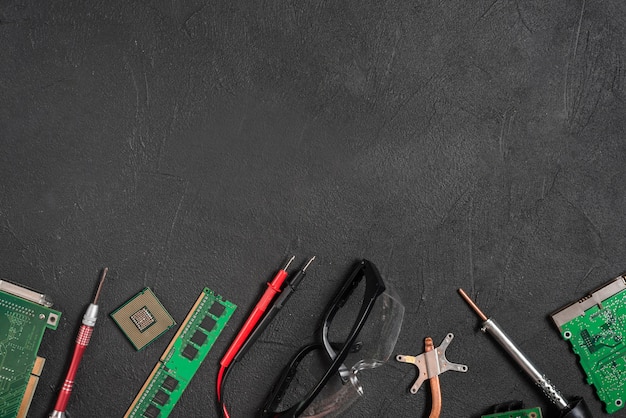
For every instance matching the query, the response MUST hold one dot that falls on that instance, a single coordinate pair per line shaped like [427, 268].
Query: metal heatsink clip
[432, 363]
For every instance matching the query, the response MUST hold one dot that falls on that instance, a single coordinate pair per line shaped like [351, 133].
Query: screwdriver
[576, 408]
[82, 341]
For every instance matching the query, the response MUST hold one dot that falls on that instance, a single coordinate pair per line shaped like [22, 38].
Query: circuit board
[182, 357]
[521, 413]
[595, 326]
[22, 325]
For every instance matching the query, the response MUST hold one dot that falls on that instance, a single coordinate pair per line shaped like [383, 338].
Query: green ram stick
[24, 316]
[182, 357]
[595, 326]
[521, 413]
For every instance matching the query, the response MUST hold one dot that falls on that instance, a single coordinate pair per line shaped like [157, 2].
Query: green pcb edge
[521, 413]
[595, 326]
[22, 325]
[183, 357]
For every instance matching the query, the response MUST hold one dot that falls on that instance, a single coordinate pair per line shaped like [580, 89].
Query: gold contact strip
[167, 350]
[30, 387]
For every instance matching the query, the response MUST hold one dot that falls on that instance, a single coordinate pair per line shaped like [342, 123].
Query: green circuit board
[595, 326]
[22, 325]
[182, 357]
[521, 413]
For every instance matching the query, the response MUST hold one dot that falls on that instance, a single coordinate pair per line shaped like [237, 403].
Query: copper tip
[472, 305]
[428, 344]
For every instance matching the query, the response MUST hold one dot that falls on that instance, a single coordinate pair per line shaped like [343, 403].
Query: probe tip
[472, 305]
[308, 264]
[289, 262]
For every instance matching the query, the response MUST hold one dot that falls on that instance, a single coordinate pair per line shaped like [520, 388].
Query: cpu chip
[143, 319]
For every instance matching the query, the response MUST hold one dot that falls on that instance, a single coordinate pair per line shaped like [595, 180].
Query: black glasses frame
[374, 287]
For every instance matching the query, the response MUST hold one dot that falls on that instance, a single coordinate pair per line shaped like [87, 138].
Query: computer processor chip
[183, 356]
[143, 319]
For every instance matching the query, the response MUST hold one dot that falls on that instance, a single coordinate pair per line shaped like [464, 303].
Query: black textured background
[190, 143]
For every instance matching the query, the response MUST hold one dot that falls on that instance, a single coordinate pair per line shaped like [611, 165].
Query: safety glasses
[359, 330]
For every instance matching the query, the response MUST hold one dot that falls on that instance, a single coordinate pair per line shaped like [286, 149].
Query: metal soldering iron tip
[472, 305]
[308, 264]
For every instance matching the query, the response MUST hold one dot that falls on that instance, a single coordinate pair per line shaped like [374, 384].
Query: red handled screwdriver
[82, 341]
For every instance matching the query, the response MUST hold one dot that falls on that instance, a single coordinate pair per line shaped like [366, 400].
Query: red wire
[220, 377]
[273, 288]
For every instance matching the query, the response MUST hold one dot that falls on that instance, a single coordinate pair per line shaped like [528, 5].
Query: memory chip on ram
[183, 357]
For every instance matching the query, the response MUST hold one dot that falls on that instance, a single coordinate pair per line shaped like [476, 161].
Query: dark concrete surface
[187, 144]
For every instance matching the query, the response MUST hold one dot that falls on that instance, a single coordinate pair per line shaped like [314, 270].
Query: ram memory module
[183, 357]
